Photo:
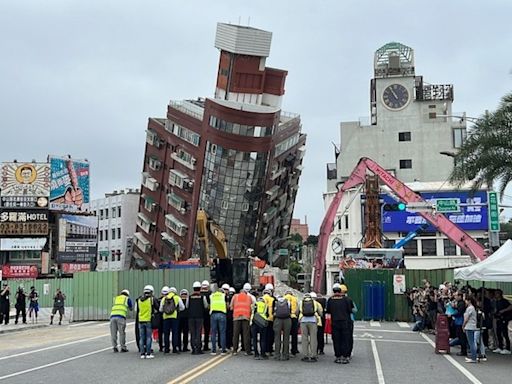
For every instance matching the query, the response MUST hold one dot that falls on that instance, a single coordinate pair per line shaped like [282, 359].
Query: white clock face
[337, 246]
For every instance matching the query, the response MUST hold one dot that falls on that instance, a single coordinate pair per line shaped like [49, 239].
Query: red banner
[19, 271]
[72, 267]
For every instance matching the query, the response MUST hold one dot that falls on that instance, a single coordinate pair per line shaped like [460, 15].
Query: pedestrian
[503, 315]
[5, 305]
[458, 321]
[206, 292]
[145, 310]
[282, 325]
[229, 319]
[218, 311]
[269, 300]
[294, 330]
[21, 305]
[258, 324]
[121, 304]
[58, 306]
[33, 305]
[241, 306]
[183, 324]
[170, 306]
[470, 327]
[196, 305]
[320, 335]
[340, 308]
[159, 320]
[310, 313]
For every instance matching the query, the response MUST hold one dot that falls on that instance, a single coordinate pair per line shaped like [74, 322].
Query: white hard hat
[231, 289]
[173, 290]
[184, 292]
[165, 290]
[196, 284]
[225, 286]
[336, 286]
[205, 283]
[307, 294]
[149, 288]
[247, 287]
[126, 291]
[267, 291]
[313, 295]
[269, 286]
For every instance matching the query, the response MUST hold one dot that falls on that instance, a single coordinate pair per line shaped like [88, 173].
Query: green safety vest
[217, 302]
[120, 307]
[261, 308]
[145, 309]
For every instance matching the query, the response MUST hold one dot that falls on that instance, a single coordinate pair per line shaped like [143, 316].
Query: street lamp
[271, 248]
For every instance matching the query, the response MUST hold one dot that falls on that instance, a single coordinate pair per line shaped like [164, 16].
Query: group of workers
[265, 322]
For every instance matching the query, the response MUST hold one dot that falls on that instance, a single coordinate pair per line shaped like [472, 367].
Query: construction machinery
[404, 194]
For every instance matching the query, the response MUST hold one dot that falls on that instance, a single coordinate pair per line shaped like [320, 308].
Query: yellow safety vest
[145, 309]
[174, 315]
[293, 303]
[260, 308]
[217, 302]
[269, 301]
[120, 307]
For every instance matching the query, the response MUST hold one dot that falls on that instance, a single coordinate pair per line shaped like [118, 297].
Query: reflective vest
[176, 299]
[293, 303]
[242, 306]
[120, 307]
[217, 302]
[269, 300]
[261, 308]
[145, 309]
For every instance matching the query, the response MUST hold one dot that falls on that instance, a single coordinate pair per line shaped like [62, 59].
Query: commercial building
[300, 228]
[117, 215]
[237, 155]
[411, 126]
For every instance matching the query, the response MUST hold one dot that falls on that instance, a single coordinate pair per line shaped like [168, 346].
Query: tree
[486, 155]
[297, 238]
[312, 239]
[507, 228]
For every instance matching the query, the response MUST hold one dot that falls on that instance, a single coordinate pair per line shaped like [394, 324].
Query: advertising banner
[78, 239]
[72, 267]
[472, 217]
[24, 185]
[22, 244]
[19, 271]
[30, 222]
[398, 284]
[69, 189]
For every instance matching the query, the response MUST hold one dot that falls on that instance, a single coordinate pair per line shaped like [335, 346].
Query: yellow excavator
[208, 229]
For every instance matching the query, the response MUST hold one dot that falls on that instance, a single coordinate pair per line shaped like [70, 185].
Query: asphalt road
[383, 353]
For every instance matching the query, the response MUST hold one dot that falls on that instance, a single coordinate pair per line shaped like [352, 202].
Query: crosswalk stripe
[402, 324]
[374, 324]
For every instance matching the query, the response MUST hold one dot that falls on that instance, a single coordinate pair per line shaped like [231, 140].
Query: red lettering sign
[19, 271]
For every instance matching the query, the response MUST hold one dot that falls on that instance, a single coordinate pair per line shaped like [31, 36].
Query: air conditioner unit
[190, 183]
[183, 211]
[193, 161]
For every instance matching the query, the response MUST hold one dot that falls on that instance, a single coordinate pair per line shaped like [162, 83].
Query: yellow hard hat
[343, 288]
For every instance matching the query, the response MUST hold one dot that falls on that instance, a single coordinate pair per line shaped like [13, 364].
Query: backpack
[308, 307]
[282, 309]
[169, 305]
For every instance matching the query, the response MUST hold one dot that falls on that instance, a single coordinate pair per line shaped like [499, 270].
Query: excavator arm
[407, 195]
[208, 230]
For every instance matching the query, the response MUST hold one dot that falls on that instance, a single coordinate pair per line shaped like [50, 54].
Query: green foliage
[297, 238]
[294, 268]
[486, 154]
[312, 239]
[507, 228]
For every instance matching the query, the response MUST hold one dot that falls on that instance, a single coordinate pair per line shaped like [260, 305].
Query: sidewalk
[43, 320]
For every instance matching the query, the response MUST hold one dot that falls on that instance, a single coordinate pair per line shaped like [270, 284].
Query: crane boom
[407, 195]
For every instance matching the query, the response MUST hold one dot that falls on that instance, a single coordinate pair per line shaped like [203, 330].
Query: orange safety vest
[242, 306]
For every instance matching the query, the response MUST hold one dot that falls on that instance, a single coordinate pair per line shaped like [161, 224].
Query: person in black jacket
[4, 304]
[458, 321]
[206, 292]
[197, 307]
[340, 307]
[183, 324]
[320, 334]
[21, 305]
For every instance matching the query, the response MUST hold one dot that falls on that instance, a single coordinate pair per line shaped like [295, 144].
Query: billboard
[472, 217]
[69, 187]
[24, 185]
[72, 268]
[22, 244]
[78, 239]
[29, 222]
[19, 271]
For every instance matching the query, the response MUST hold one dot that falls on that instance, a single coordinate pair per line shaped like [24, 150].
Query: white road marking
[83, 324]
[370, 336]
[392, 341]
[402, 324]
[374, 324]
[378, 366]
[56, 363]
[455, 363]
[385, 330]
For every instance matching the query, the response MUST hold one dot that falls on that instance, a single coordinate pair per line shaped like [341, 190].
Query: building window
[411, 248]
[119, 211]
[450, 249]
[432, 115]
[118, 252]
[346, 221]
[101, 235]
[106, 213]
[405, 164]
[459, 136]
[177, 178]
[113, 233]
[101, 214]
[106, 234]
[428, 247]
[118, 233]
[186, 134]
[175, 225]
[175, 201]
[114, 213]
[404, 136]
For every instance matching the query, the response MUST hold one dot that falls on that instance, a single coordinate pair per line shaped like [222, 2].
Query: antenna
[239, 20]
[249, 21]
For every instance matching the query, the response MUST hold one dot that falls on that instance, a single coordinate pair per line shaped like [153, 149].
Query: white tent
[497, 267]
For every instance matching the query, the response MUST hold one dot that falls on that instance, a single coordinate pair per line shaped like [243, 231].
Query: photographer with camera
[21, 306]
[4, 304]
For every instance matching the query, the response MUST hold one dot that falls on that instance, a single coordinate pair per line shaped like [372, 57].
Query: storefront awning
[23, 244]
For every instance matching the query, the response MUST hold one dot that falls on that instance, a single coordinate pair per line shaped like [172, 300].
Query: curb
[22, 329]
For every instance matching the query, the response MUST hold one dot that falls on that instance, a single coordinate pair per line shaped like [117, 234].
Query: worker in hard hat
[294, 330]
[121, 304]
[321, 326]
[340, 307]
[206, 292]
[146, 306]
[196, 305]
[269, 298]
[160, 320]
[183, 324]
[170, 306]
[218, 312]
[241, 305]
[229, 318]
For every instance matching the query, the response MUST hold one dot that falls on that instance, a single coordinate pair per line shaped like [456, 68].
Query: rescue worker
[146, 307]
[218, 310]
[205, 291]
[21, 305]
[241, 306]
[282, 325]
[310, 313]
[269, 300]
[121, 304]
[170, 306]
[340, 308]
[321, 327]
[229, 319]
[159, 320]
[183, 324]
[258, 325]
[294, 330]
[196, 305]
